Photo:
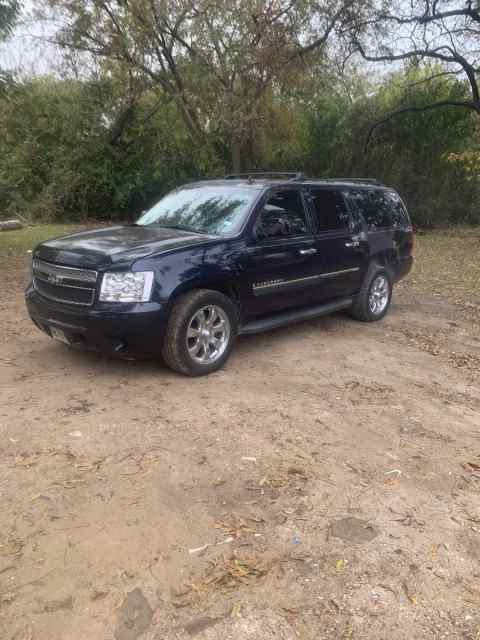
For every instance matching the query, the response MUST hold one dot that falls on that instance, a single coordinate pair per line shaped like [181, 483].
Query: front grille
[64, 284]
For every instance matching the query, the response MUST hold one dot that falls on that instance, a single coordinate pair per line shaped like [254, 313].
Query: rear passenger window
[330, 210]
[375, 207]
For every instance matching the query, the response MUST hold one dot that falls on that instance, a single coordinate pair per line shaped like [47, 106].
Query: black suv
[218, 258]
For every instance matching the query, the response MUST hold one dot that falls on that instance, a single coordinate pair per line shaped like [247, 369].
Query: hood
[102, 248]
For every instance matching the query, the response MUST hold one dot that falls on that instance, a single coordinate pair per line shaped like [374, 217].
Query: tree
[216, 59]
[427, 155]
[9, 11]
[446, 32]
[72, 148]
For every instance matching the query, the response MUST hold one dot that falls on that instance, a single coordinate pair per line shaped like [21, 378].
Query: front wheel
[201, 332]
[375, 295]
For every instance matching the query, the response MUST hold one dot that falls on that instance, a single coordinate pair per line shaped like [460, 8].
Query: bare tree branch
[432, 37]
[417, 109]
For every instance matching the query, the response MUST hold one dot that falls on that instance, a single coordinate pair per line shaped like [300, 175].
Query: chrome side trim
[332, 274]
[263, 288]
[282, 283]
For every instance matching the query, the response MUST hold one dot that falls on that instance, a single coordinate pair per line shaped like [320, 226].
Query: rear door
[387, 223]
[279, 260]
[342, 246]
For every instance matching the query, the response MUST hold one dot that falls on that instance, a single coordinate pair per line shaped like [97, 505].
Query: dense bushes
[71, 149]
[75, 149]
[416, 152]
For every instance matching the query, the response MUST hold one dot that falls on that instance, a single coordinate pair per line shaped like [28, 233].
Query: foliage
[216, 59]
[109, 146]
[9, 11]
[90, 148]
[72, 148]
[411, 152]
[468, 162]
[8, 15]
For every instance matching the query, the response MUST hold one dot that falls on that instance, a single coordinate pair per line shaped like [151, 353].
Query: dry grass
[17, 243]
[447, 265]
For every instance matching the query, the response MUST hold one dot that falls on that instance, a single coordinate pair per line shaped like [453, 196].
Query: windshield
[218, 210]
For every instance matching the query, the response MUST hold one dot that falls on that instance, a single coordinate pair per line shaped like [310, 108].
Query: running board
[297, 315]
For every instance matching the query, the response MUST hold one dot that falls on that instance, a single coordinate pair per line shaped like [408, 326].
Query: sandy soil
[333, 468]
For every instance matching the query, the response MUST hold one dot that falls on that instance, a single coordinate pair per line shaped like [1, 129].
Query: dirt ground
[332, 468]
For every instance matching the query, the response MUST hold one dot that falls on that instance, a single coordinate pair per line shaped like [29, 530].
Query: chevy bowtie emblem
[54, 279]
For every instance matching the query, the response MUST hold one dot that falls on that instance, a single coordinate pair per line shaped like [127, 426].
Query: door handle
[354, 243]
[307, 252]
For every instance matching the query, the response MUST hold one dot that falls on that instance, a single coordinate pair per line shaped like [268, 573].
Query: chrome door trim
[333, 274]
[263, 288]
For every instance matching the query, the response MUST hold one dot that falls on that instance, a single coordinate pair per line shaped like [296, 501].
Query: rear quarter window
[399, 213]
[380, 209]
[373, 207]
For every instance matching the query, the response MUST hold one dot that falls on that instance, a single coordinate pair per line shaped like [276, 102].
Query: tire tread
[181, 312]
[360, 310]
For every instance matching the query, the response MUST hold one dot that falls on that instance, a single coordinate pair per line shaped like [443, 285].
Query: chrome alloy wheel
[208, 334]
[379, 295]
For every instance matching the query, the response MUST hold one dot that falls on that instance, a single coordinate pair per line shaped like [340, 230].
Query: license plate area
[58, 334]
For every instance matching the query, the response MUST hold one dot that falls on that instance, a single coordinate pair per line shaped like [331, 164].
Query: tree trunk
[236, 148]
[10, 225]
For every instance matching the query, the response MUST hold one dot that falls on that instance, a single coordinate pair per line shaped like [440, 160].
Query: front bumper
[135, 328]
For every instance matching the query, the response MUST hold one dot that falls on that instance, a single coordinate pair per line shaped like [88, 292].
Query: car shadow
[145, 365]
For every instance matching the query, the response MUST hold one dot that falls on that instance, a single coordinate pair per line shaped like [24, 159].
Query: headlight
[126, 287]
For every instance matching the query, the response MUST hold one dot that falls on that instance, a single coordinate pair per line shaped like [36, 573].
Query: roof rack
[255, 175]
[359, 180]
[294, 176]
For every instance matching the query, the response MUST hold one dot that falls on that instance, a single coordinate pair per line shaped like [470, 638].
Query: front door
[279, 261]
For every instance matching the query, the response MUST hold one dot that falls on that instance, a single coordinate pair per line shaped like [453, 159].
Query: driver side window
[282, 216]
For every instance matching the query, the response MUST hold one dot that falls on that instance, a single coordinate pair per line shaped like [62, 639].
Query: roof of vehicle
[260, 180]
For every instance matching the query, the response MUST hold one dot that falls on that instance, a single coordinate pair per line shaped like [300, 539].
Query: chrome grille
[64, 284]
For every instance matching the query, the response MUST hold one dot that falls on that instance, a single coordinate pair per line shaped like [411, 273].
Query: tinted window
[212, 209]
[282, 216]
[398, 212]
[374, 207]
[330, 210]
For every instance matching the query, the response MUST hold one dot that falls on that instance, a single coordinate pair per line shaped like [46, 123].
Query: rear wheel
[201, 332]
[375, 295]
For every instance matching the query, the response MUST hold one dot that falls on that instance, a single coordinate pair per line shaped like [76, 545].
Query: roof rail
[255, 175]
[359, 180]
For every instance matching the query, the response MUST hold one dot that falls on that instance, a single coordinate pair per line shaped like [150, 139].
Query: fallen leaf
[10, 548]
[340, 565]
[471, 466]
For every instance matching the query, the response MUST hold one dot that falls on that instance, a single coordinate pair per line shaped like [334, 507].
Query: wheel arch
[221, 285]
[385, 259]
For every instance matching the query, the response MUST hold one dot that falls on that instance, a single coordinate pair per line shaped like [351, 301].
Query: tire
[364, 308]
[191, 336]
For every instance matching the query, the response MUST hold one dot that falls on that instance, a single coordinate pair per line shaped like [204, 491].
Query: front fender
[214, 266]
